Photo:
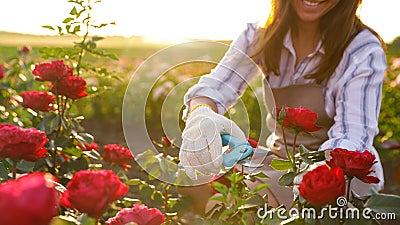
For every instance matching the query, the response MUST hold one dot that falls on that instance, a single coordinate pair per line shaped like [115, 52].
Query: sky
[174, 19]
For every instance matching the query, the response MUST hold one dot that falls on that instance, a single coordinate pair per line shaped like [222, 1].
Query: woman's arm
[228, 80]
[358, 99]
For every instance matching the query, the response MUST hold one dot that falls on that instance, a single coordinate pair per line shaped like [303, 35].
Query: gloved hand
[201, 148]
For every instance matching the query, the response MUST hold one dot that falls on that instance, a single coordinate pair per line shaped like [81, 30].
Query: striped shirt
[352, 94]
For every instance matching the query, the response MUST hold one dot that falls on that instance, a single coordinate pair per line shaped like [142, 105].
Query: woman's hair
[338, 28]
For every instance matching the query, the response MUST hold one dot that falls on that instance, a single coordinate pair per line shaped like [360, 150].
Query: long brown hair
[338, 28]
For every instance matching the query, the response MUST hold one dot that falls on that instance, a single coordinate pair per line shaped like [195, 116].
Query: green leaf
[303, 149]
[384, 203]
[260, 187]
[84, 138]
[25, 166]
[157, 197]
[64, 220]
[218, 198]
[133, 182]
[79, 164]
[86, 220]
[3, 171]
[73, 11]
[286, 179]
[146, 190]
[260, 175]
[76, 29]
[255, 201]
[280, 164]
[67, 20]
[112, 56]
[48, 27]
[221, 188]
[72, 152]
[307, 160]
[97, 38]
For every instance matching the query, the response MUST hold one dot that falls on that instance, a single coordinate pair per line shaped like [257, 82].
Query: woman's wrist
[196, 107]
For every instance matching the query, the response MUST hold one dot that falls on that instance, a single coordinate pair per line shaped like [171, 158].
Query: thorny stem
[287, 150]
[294, 148]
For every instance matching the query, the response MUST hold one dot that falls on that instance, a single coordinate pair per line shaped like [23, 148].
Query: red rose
[117, 154]
[37, 100]
[25, 50]
[91, 191]
[300, 119]
[138, 214]
[30, 200]
[253, 143]
[322, 185]
[52, 71]
[93, 146]
[1, 72]
[354, 164]
[16, 142]
[70, 86]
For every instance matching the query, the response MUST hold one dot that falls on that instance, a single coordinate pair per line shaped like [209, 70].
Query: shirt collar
[288, 43]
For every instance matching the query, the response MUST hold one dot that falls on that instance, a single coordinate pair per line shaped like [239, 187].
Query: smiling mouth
[312, 4]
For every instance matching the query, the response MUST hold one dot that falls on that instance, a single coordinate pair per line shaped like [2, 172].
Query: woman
[314, 53]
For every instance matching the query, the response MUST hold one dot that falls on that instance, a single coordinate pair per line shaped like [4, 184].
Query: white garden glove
[201, 148]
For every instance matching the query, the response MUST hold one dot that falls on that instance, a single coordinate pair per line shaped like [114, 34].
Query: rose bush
[71, 154]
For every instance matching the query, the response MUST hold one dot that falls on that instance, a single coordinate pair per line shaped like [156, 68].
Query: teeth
[310, 3]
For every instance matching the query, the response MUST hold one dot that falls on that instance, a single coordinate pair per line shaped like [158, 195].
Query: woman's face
[312, 10]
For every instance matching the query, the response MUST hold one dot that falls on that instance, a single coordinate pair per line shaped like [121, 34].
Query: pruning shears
[241, 152]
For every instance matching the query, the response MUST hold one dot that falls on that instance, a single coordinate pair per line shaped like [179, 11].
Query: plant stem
[242, 170]
[294, 150]
[287, 150]
[14, 169]
[348, 189]
[82, 43]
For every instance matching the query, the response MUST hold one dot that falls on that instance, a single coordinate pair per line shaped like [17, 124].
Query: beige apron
[311, 97]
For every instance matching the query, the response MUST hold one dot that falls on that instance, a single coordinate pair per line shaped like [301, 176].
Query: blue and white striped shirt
[352, 94]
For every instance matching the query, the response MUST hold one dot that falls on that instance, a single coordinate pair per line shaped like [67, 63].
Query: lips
[312, 3]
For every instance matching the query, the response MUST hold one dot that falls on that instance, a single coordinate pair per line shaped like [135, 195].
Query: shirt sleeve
[358, 99]
[228, 80]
